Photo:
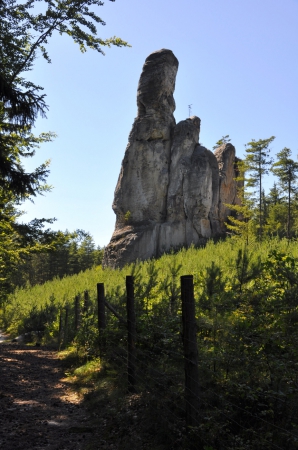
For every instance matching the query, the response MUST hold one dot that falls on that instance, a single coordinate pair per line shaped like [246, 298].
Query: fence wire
[159, 374]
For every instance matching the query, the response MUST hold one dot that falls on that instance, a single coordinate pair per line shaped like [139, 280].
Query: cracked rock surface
[171, 191]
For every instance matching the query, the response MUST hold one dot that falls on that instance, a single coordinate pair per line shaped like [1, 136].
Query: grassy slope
[192, 261]
[247, 362]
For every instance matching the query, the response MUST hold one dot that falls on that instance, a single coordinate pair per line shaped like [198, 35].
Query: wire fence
[198, 405]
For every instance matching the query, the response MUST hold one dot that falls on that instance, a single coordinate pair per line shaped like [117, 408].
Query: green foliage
[286, 170]
[15, 145]
[87, 335]
[223, 140]
[258, 214]
[18, 242]
[246, 314]
[39, 320]
[73, 253]
[246, 270]
[25, 30]
[241, 224]
[127, 217]
[257, 164]
[156, 281]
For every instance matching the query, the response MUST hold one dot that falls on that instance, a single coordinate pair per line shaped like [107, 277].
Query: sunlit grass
[192, 261]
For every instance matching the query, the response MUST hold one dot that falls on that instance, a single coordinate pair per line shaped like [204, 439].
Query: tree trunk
[131, 334]
[190, 351]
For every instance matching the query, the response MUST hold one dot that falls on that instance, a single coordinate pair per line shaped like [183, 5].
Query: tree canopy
[257, 164]
[25, 31]
[286, 170]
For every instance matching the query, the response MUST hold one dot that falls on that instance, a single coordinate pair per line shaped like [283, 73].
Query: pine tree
[273, 197]
[286, 170]
[224, 140]
[242, 223]
[257, 164]
[24, 34]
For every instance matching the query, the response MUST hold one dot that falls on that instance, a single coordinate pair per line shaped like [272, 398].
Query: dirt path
[38, 410]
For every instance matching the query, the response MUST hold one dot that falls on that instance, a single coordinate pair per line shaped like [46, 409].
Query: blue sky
[237, 67]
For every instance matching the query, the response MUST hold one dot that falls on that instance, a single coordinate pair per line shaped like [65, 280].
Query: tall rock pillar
[228, 186]
[172, 191]
[140, 200]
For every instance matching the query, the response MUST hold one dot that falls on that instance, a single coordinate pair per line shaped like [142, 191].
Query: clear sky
[238, 67]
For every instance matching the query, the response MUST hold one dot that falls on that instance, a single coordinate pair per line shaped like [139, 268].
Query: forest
[245, 290]
[245, 285]
[246, 316]
[246, 329]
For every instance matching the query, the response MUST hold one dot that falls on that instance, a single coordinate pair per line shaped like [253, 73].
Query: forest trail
[38, 409]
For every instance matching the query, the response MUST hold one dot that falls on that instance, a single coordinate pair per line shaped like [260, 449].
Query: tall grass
[193, 261]
[247, 340]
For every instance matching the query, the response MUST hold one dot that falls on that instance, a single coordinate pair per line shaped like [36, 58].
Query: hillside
[246, 332]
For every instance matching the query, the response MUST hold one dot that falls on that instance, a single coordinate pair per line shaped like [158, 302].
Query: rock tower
[171, 191]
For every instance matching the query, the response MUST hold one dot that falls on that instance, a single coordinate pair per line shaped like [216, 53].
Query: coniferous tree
[66, 254]
[257, 162]
[224, 140]
[273, 197]
[286, 170]
[275, 220]
[242, 223]
[24, 34]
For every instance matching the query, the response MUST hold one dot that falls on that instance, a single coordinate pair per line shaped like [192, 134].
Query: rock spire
[171, 191]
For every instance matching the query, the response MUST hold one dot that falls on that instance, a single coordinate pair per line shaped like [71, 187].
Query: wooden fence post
[190, 351]
[86, 301]
[65, 337]
[101, 306]
[77, 312]
[60, 328]
[131, 336]
[101, 317]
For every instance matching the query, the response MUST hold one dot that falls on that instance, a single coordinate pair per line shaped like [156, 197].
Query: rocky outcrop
[227, 164]
[142, 185]
[171, 191]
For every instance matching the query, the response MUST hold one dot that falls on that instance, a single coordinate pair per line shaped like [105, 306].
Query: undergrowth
[247, 339]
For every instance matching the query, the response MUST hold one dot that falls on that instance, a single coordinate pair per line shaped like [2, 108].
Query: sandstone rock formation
[227, 164]
[171, 191]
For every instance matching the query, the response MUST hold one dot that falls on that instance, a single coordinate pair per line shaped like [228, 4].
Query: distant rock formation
[171, 191]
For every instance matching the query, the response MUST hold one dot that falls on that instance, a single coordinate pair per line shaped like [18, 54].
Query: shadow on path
[37, 408]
